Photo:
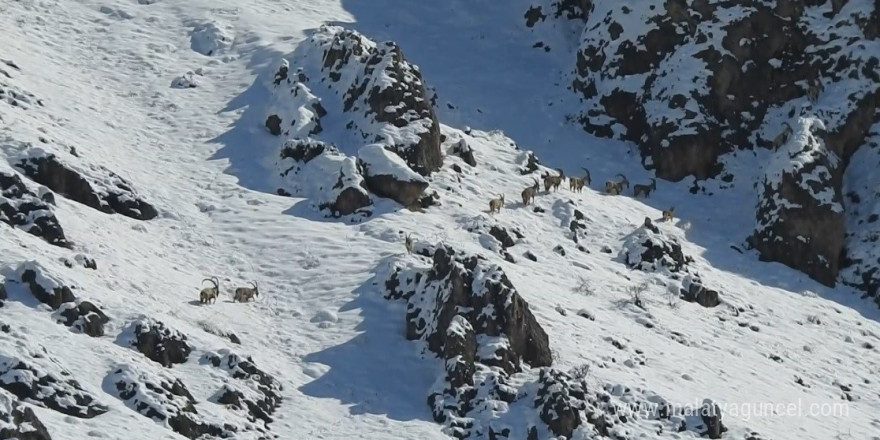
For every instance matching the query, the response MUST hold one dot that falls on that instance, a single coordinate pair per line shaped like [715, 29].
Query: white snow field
[170, 97]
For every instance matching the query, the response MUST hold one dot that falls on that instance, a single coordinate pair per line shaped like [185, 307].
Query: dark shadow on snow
[378, 371]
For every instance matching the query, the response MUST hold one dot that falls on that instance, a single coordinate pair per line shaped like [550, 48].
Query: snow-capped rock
[22, 209]
[330, 180]
[92, 185]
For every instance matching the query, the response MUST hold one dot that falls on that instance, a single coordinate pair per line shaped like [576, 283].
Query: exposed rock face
[29, 381]
[22, 209]
[387, 175]
[160, 343]
[691, 81]
[93, 186]
[800, 216]
[164, 399]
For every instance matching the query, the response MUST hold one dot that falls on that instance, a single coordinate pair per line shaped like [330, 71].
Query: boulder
[261, 388]
[23, 209]
[84, 317]
[465, 152]
[387, 175]
[650, 249]
[160, 343]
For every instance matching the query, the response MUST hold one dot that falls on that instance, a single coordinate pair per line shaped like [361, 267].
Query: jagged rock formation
[93, 186]
[23, 209]
[160, 343]
[378, 100]
[800, 216]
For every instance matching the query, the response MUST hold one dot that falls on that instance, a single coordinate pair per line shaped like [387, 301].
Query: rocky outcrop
[258, 392]
[330, 180]
[166, 400]
[800, 216]
[18, 421]
[651, 249]
[29, 381]
[390, 92]
[692, 81]
[160, 343]
[46, 287]
[465, 152]
[93, 186]
[23, 209]
[467, 311]
[387, 175]
[377, 94]
[84, 317]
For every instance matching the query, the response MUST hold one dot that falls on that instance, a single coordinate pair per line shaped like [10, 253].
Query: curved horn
[561, 173]
[211, 280]
[587, 171]
[624, 177]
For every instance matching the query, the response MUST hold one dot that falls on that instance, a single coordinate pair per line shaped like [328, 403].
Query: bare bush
[584, 287]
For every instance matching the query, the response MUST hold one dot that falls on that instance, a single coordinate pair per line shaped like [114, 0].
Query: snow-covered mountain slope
[103, 334]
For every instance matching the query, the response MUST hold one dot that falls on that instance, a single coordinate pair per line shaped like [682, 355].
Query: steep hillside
[146, 146]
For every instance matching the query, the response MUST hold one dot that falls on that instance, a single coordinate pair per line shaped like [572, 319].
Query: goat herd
[242, 294]
[612, 187]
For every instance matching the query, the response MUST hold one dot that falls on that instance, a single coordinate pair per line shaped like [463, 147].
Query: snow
[104, 83]
[378, 161]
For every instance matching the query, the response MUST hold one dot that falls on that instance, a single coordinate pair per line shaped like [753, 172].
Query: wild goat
[245, 294]
[553, 181]
[210, 294]
[578, 183]
[496, 204]
[616, 187]
[644, 189]
[782, 137]
[813, 91]
[409, 244]
[668, 214]
[528, 194]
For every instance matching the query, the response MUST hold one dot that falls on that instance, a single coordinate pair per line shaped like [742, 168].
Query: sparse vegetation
[635, 294]
[584, 287]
